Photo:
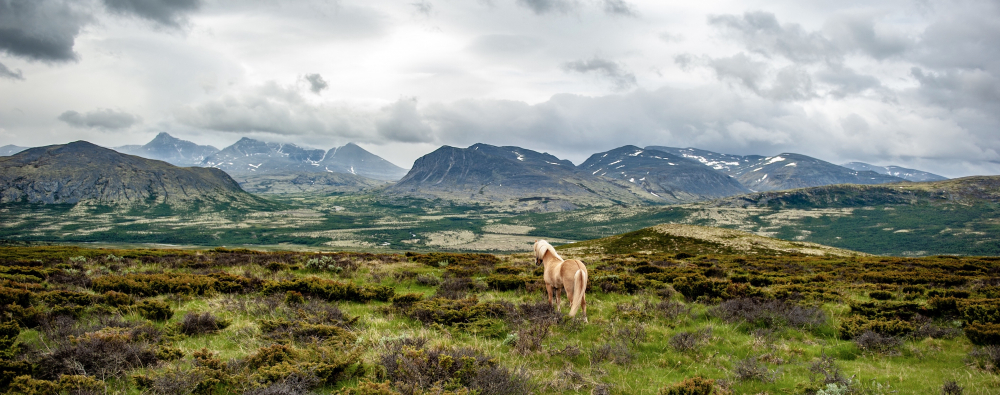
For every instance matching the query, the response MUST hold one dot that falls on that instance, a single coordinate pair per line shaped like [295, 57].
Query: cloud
[172, 13]
[612, 71]
[105, 119]
[619, 8]
[761, 33]
[277, 110]
[316, 83]
[423, 7]
[400, 121]
[845, 81]
[10, 74]
[41, 30]
[858, 32]
[540, 7]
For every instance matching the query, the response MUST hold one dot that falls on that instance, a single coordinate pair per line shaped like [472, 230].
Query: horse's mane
[548, 249]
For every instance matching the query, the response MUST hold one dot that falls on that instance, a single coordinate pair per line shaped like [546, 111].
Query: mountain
[779, 172]
[8, 150]
[249, 156]
[517, 176]
[896, 171]
[84, 172]
[356, 160]
[170, 149]
[666, 176]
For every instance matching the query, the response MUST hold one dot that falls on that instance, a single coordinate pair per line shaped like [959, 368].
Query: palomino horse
[570, 275]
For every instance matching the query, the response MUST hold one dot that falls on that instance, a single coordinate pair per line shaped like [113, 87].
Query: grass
[577, 358]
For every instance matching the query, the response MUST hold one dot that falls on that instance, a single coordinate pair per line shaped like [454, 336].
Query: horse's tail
[579, 287]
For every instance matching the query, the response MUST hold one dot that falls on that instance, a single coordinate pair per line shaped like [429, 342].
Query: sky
[909, 83]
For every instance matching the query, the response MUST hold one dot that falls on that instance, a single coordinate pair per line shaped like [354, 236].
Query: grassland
[664, 305]
[960, 217]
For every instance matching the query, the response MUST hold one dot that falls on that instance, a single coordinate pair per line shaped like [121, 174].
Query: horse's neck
[551, 260]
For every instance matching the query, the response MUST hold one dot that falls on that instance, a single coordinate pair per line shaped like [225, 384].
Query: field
[666, 308]
[877, 223]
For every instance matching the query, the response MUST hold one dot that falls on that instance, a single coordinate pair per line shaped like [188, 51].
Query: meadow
[667, 315]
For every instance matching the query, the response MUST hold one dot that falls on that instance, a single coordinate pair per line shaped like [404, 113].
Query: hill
[896, 171]
[170, 149]
[669, 177]
[513, 176]
[84, 172]
[8, 150]
[700, 240]
[779, 172]
[353, 159]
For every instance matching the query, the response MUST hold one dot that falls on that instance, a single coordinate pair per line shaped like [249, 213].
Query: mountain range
[170, 149]
[896, 171]
[84, 172]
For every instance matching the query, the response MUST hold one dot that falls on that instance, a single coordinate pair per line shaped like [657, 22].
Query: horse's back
[570, 267]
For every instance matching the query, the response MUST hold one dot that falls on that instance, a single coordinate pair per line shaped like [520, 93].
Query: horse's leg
[548, 290]
[583, 303]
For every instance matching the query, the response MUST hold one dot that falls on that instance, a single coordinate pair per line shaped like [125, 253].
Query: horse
[570, 274]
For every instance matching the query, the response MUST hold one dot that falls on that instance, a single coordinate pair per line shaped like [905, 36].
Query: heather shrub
[404, 301]
[116, 299]
[455, 288]
[154, 310]
[454, 312]
[197, 324]
[414, 369]
[690, 341]
[429, 280]
[294, 298]
[615, 351]
[986, 358]
[281, 329]
[982, 333]
[880, 295]
[110, 352]
[331, 290]
[691, 386]
[769, 313]
[672, 310]
[951, 387]
[751, 369]
[505, 282]
[155, 284]
[875, 342]
[853, 326]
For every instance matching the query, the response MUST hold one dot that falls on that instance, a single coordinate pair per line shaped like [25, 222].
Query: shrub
[117, 299]
[155, 284]
[772, 314]
[824, 371]
[196, 324]
[875, 342]
[980, 310]
[530, 337]
[614, 283]
[332, 290]
[986, 358]
[982, 334]
[691, 386]
[455, 288]
[507, 270]
[270, 356]
[404, 301]
[369, 388]
[880, 295]
[617, 352]
[689, 341]
[107, 353]
[900, 310]
[429, 280]
[452, 312]
[853, 326]
[751, 369]
[154, 310]
[276, 266]
[294, 298]
[951, 387]
[505, 282]
[695, 287]
[281, 328]
[672, 310]
[414, 369]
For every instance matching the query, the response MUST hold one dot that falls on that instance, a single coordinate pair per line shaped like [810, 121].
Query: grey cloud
[739, 68]
[960, 88]
[402, 122]
[42, 30]
[857, 32]
[619, 7]
[171, 13]
[621, 79]
[668, 37]
[316, 83]
[423, 7]
[504, 44]
[790, 83]
[106, 119]
[10, 74]
[277, 110]
[540, 7]
[761, 33]
[846, 81]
